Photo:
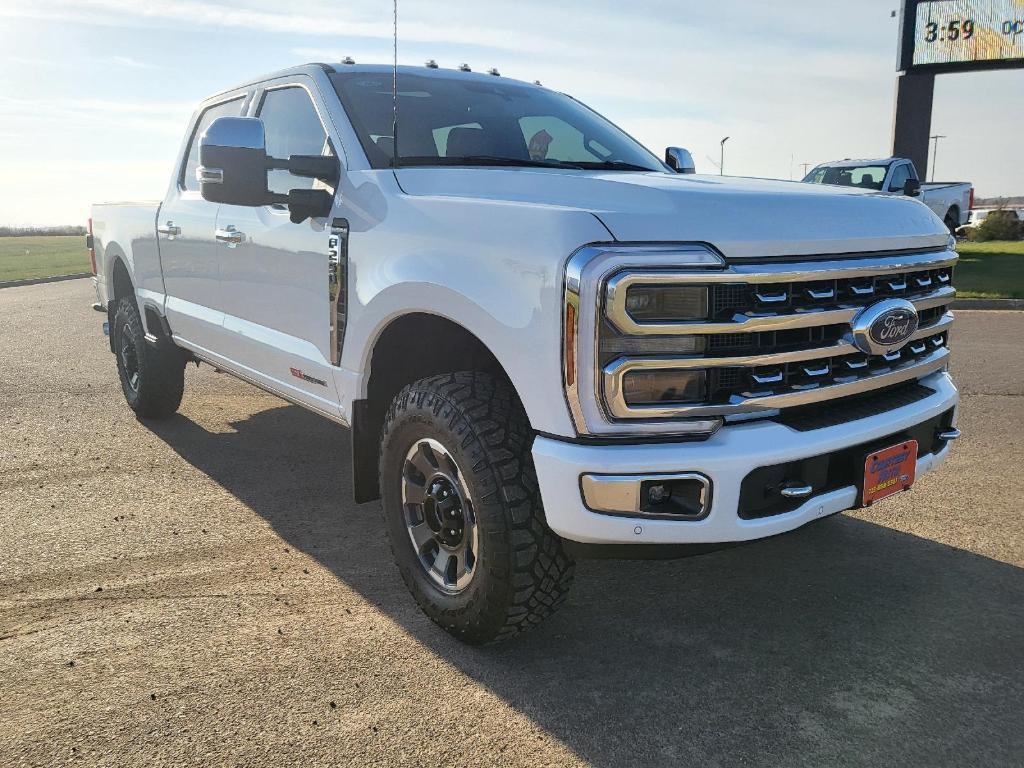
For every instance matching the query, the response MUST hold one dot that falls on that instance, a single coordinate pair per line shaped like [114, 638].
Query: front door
[188, 251]
[275, 288]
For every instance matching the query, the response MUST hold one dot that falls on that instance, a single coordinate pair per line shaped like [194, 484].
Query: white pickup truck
[546, 342]
[951, 201]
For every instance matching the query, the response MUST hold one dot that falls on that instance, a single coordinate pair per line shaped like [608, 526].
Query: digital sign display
[956, 34]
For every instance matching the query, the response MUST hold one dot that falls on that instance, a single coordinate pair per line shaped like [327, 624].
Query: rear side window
[292, 128]
[231, 108]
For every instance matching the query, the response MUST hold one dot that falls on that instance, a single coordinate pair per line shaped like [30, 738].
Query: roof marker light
[348, 60]
[431, 64]
[464, 68]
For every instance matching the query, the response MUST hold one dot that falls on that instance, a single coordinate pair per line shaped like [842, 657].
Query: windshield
[863, 176]
[467, 121]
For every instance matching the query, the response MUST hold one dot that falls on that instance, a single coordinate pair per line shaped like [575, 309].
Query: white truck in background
[951, 201]
[546, 342]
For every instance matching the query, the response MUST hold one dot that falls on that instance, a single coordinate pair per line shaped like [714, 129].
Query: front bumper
[726, 458]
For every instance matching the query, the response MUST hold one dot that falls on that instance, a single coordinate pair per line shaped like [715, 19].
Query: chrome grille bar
[740, 323]
[765, 402]
[774, 358]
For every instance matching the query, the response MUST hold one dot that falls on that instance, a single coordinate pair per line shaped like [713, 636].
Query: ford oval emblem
[884, 327]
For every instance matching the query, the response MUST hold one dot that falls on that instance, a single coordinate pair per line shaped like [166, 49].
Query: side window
[900, 176]
[292, 128]
[549, 138]
[231, 108]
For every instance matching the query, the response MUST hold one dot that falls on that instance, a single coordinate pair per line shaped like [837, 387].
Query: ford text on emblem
[884, 327]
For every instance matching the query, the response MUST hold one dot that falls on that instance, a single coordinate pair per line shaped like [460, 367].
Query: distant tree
[66, 229]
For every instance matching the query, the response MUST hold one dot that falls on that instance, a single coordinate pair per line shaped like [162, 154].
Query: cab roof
[374, 69]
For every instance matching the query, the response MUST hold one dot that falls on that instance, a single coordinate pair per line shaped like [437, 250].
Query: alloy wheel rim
[130, 361]
[439, 516]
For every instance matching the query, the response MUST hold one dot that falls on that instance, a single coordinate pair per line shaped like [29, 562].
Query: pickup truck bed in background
[951, 201]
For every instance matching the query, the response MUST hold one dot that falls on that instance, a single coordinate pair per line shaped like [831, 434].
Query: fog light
[682, 496]
[679, 497]
[657, 303]
[655, 387]
[658, 493]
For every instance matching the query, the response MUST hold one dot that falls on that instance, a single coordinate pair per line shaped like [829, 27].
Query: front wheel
[463, 510]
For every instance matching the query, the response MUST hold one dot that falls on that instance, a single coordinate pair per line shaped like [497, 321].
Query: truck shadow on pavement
[845, 642]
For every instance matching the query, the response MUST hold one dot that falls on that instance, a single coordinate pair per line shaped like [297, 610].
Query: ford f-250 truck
[546, 342]
[952, 201]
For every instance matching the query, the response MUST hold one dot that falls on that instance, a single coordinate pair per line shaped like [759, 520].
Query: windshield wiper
[487, 161]
[614, 165]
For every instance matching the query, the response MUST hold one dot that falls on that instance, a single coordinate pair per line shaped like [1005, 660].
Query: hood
[743, 218]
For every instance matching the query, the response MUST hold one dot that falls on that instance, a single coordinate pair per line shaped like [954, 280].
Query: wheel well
[122, 281]
[411, 348]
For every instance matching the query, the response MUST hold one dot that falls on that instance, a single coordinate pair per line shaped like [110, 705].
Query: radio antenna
[394, 89]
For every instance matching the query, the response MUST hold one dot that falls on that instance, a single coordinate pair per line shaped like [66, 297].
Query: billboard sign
[962, 35]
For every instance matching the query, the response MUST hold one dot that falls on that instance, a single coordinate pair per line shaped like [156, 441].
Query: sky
[96, 95]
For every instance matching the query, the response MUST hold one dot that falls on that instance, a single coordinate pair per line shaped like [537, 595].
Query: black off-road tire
[952, 220]
[522, 572]
[153, 381]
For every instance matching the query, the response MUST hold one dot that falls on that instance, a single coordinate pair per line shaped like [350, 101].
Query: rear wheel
[463, 509]
[152, 373]
[952, 220]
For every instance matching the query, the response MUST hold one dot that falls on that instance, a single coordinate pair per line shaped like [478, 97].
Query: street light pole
[721, 164]
[935, 152]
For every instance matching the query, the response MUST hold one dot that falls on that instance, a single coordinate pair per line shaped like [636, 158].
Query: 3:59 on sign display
[968, 31]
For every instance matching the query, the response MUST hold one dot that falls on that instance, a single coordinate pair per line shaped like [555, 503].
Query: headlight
[654, 303]
[664, 387]
[614, 337]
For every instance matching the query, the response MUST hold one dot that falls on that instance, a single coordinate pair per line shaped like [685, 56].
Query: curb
[1017, 304]
[40, 280]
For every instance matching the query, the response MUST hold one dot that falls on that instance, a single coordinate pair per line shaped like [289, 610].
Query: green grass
[990, 270]
[42, 256]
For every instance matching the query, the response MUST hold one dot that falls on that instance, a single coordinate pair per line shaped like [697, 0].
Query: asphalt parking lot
[204, 592]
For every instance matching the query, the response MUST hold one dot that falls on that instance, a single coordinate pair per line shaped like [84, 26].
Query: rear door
[275, 285]
[188, 250]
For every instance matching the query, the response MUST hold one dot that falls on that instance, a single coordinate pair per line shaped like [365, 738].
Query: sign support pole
[912, 123]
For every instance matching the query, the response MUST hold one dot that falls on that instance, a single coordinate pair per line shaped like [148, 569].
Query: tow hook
[796, 491]
[949, 434]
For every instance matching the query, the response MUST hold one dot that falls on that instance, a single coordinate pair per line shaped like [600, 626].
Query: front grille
[727, 300]
[778, 335]
[816, 372]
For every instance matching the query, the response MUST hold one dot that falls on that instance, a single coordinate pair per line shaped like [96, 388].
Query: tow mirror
[233, 162]
[912, 188]
[680, 160]
[233, 165]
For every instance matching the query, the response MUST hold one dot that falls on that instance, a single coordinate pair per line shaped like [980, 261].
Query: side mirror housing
[233, 162]
[233, 165]
[912, 188]
[680, 160]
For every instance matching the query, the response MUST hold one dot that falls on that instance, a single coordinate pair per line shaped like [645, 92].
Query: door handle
[170, 230]
[230, 235]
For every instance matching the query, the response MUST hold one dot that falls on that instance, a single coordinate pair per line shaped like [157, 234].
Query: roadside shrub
[998, 225]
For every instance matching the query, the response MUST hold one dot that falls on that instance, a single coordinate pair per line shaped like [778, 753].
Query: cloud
[341, 21]
[128, 61]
